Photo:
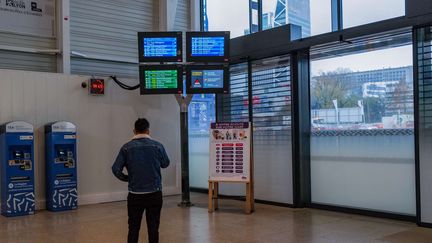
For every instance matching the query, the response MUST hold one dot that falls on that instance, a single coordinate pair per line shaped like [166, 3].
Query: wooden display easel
[213, 198]
[213, 193]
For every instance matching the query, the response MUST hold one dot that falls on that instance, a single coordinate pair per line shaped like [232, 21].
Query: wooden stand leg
[248, 208]
[252, 192]
[210, 198]
[216, 195]
[213, 197]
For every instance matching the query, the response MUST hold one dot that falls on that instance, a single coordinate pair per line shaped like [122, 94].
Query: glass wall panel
[362, 139]
[357, 12]
[424, 73]
[233, 107]
[226, 15]
[271, 95]
[201, 114]
[271, 111]
[314, 16]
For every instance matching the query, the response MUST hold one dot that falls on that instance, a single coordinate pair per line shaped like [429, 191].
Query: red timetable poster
[229, 152]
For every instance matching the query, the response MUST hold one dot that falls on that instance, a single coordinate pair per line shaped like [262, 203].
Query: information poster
[230, 152]
[35, 17]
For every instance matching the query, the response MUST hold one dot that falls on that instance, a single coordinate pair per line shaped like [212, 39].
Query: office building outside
[385, 96]
[293, 12]
[285, 12]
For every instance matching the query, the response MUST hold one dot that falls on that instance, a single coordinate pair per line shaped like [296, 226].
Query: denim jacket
[143, 158]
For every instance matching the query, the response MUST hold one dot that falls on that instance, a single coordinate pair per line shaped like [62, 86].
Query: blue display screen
[208, 46]
[207, 79]
[160, 47]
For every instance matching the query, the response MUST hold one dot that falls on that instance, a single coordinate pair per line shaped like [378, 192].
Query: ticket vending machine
[17, 169]
[61, 166]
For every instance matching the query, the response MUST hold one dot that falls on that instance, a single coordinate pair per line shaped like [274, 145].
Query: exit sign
[97, 86]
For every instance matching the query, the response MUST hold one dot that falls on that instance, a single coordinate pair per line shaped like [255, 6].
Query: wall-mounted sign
[230, 152]
[34, 17]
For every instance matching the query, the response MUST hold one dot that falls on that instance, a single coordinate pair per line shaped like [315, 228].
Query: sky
[372, 60]
[233, 15]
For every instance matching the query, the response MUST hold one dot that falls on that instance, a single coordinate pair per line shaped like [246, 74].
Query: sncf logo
[15, 3]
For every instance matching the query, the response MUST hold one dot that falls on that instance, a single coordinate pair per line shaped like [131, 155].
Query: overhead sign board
[34, 17]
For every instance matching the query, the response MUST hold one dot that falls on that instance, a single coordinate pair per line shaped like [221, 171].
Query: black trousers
[138, 203]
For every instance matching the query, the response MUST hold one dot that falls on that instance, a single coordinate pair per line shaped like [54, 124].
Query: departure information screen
[207, 79]
[160, 47]
[208, 46]
[160, 79]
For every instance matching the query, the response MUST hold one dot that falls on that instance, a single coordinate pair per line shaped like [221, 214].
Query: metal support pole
[184, 105]
[63, 36]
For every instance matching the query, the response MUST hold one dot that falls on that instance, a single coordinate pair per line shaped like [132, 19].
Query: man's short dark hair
[142, 125]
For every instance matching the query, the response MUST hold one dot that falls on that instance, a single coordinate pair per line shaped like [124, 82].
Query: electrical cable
[124, 86]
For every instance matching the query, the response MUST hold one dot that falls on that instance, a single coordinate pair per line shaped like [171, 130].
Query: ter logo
[35, 8]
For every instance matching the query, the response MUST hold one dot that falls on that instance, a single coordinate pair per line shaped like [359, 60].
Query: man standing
[143, 157]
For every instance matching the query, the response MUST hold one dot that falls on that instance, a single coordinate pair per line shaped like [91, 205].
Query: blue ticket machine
[17, 169]
[61, 166]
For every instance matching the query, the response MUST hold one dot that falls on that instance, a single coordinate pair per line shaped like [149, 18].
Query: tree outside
[329, 86]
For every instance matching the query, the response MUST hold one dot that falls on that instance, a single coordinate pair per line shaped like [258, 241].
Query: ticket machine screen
[65, 155]
[61, 155]
[20, 156]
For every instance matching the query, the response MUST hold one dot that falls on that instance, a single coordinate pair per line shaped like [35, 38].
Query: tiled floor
[108, 223]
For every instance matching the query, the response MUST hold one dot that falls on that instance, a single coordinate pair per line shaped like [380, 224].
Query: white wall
[104, 123]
